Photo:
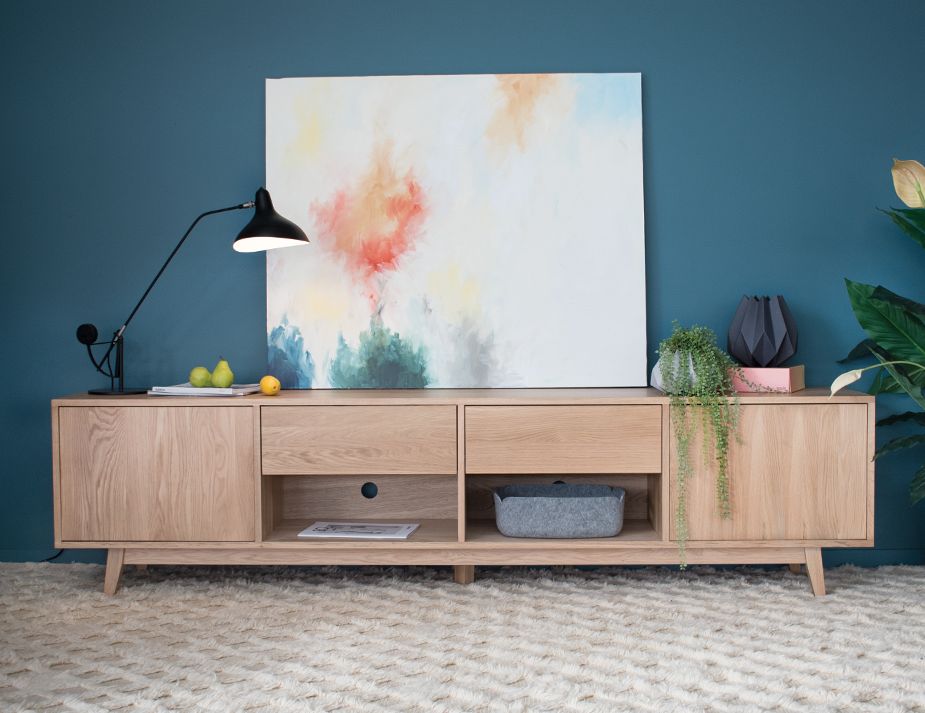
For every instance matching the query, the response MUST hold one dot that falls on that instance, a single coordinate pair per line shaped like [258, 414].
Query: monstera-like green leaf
[911, 221]
[911, 306]
[862, 351]
[907, 417]
[901, 443]
[884, 383]
[890, 324]
[895, 326]
[914, 391]
[917, 486]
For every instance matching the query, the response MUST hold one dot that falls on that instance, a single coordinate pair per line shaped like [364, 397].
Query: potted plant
[698, 377]
[895, 328]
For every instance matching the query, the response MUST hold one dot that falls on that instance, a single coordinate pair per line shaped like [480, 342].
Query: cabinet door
[800, 472]
[156, 474]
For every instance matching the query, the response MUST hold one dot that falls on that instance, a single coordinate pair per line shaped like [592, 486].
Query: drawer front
[564, 439]
[358, 440]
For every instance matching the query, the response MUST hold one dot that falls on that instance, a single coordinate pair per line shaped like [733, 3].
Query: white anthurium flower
[842, 380]
[909, 182]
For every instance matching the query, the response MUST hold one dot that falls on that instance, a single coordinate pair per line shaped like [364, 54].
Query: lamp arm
[118, 334]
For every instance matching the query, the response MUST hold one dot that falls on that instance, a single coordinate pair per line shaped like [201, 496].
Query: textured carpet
[408, 639]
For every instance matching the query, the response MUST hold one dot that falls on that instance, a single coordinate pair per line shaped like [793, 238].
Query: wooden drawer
[358, 440]
[564, 439]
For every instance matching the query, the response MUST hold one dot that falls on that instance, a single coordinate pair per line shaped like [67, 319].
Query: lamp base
[116, 392]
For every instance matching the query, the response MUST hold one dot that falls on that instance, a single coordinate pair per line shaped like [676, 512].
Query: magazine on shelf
[360, 530]
[188, 389]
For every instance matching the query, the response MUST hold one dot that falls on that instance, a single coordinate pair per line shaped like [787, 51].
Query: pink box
[784, 379]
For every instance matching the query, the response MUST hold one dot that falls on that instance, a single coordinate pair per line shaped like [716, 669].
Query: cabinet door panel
[799, 473]
[156, 474]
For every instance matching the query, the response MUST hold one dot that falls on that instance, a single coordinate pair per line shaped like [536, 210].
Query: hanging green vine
[697, 376]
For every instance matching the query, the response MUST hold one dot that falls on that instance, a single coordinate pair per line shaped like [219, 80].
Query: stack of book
[360, 530]
[188, 389]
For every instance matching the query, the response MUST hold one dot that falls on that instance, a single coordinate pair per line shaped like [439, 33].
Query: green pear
[222, 375]
[200, 376]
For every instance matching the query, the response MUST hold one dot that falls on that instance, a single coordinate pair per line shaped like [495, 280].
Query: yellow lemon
[269, 385]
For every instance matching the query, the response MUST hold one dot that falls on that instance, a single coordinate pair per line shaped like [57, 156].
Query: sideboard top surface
[315, 397]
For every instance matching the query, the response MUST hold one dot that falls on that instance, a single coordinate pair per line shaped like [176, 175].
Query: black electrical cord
[54, 556]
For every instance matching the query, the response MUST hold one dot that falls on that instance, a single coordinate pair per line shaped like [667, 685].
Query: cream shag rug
[408, 639]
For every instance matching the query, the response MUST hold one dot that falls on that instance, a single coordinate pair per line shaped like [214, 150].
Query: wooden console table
[167, 480]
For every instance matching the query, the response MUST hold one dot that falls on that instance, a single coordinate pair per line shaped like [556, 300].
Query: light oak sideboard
[172, 480]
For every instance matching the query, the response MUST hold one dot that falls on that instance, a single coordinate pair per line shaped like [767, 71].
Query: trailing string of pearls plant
[698, 377]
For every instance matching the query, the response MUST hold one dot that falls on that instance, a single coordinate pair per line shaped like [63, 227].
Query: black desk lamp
[265, 231]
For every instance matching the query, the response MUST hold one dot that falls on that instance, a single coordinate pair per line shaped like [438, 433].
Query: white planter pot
[655, 380]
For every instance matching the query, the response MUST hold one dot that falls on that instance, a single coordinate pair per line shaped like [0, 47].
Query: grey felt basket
[560, 510]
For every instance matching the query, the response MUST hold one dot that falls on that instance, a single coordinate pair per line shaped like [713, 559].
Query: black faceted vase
[762, 332]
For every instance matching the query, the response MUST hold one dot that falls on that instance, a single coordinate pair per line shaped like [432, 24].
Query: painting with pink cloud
[466, 231]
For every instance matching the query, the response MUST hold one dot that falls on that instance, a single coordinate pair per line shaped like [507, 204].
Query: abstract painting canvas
[466, 231]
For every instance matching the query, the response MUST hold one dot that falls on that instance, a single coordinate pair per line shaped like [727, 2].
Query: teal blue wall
[769, 128]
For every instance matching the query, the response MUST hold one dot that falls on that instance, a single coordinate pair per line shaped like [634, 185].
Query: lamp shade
[268, 229]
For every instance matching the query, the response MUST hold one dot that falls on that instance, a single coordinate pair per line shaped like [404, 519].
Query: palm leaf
[890, 325]
[907, 417]
[884, 383]
[916, 216]
[861, 351]
[914, 391]
[901, 443]
[916, 308]
[910, 221]
[917, 486]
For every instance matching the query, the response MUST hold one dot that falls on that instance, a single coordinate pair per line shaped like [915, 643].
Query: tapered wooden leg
[815, 571]
[114, 561]
[796, 567]
[464, 573]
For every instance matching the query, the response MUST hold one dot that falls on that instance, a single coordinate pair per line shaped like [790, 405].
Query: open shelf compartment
[642, 514]
[290, 503]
